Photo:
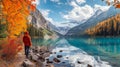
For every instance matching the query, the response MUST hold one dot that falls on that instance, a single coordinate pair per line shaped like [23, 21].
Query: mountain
[108, 27]
[37, 19]
[38, 25]
[61, 28]
[98, 16]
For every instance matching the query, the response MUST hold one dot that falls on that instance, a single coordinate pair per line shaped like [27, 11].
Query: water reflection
[109, 45]
[41, 42]
[107, 48]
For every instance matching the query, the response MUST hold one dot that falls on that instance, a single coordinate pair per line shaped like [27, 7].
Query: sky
[64, 11]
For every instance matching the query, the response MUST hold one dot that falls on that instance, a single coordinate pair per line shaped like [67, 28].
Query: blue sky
[61, 11]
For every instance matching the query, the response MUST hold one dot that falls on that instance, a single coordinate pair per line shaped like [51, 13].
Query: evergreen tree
[3, 25]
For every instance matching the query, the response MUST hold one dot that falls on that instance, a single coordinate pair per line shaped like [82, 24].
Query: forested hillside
[38, 32]
[108, 27]
[35, 32]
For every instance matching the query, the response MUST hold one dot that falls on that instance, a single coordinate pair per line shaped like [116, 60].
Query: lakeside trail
[16, 62]
[36, 58]
[42, 56]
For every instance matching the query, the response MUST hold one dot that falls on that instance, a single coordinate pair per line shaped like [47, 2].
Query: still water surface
[108, 49]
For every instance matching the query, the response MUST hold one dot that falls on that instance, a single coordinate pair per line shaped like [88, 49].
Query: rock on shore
[37, 57]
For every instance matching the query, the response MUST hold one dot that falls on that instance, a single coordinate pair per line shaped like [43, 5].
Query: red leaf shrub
[11, 48]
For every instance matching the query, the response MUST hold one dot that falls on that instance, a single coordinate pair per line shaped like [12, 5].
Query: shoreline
[42, 56]
[36, 58]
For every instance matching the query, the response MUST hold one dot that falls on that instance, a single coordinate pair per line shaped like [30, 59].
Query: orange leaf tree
[115, 3]
[16, 12]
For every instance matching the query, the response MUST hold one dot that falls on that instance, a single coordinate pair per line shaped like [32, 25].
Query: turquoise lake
[108, 49]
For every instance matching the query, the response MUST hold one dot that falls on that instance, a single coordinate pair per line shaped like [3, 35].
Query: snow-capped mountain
[61, 28]
[78, 28]
[98, 16]
[73, 27]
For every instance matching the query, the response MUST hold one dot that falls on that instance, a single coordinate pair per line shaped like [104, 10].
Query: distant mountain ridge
[71, 28]
[75, 28]
[108, 27]
[61, 30]
[92, 21]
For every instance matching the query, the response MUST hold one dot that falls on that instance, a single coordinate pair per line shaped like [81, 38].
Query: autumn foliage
[115, 3]
[13, 14]
[109, 27]
[11, 48]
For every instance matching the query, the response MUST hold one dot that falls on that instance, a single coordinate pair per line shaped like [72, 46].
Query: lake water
[101, 48]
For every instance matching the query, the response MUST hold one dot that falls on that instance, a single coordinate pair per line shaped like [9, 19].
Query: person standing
[27, 43]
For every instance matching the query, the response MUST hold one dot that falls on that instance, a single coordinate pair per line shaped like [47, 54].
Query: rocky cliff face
[39, 25]
[37, 19]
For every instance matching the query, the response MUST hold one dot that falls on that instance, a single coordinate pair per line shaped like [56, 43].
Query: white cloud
[103, 8]
[73, 4]
[55, 0]
[80, 13]
[46, 13]
[37, 2]
[80, 1]
[59, 3]
[76, 2]
[45, 1]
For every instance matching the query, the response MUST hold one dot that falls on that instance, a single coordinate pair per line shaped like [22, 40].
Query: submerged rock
[67, 57]
[54, 52]
[59, 56]
[89, 65]
[63, 62]
[61, 50]
[56, 60]
[51, 52]
[79, 62]
[48, 61]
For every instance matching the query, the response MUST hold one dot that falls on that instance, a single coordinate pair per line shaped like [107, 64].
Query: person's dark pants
[27, 50]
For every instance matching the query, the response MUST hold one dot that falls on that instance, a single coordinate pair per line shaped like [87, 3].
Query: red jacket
[27, 40]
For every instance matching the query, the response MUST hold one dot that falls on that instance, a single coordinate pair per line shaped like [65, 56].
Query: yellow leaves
[18, 24]
[115, 3]
[16, 12]
[107, 27]
[7, 4]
